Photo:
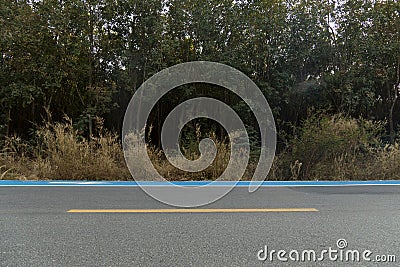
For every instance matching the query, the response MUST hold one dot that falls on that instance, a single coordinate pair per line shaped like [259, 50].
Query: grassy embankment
[324, 148]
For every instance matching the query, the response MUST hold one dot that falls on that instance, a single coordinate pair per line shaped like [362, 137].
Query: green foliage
[51, 61]
[78, 57]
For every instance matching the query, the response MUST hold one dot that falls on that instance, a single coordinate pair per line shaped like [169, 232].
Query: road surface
[36, 228]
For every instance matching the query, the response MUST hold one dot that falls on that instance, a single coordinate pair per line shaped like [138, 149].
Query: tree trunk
[396, 89]
[8, 122]
[391, 123]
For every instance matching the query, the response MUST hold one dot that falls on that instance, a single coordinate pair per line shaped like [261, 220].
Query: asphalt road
[37, 230]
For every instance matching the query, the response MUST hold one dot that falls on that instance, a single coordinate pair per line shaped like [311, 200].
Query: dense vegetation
[329, 69]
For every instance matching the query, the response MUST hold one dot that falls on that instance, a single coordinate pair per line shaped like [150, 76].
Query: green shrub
[324, 144]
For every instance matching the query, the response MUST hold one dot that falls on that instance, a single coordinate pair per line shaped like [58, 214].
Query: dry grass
[137, 162]
[328, 148]
[60, 153]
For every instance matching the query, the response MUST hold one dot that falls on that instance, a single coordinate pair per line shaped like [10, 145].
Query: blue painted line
[10, 183]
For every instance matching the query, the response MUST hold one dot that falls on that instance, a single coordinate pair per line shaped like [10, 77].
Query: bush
[326, 146]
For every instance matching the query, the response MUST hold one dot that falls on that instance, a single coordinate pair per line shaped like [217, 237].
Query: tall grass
[59, 152]
[325, 148]
[137, 161]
